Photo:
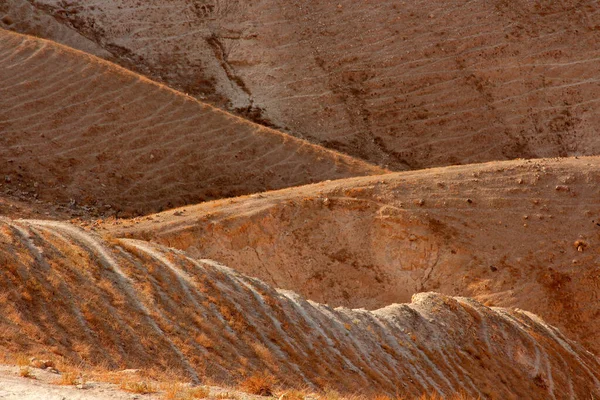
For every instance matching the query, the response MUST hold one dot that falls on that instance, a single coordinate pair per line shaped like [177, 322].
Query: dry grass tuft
[69, 379]
[141, 387]
[184, 392]
[260, 384]
[293, 395]
[25, 372]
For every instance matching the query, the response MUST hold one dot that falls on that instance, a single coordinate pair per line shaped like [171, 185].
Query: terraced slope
[515, 234]
[128, 303]
[78, 129]
[409, 85]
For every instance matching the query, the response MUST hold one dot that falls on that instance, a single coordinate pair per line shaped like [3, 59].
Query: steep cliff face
[79, 129]
[407, 85]
[128, 303]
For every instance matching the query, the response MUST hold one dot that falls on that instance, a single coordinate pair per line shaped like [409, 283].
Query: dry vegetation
[262, 384]
[349, 287]
[122, 301]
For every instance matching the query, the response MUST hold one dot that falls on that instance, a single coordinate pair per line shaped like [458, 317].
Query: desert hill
[130, 304]
[201, 189]
[80, 130]
[404, 84]
[515, 234]
[22, 16]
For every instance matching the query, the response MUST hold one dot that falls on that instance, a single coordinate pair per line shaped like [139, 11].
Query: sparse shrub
[141, 387]
[226, 395]
[25, 372]
[22, 360]
[293, 395]
[259, 384]
[68, 379]
[330, 395]
[183, 392]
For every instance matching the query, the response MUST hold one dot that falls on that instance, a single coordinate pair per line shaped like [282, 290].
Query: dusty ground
[42, 384]
[405, 84]
[14, 387]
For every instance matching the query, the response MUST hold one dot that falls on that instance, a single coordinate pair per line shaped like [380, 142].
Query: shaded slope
[21, 16]
[516, 234]
[409, 85]
[128, 303]
[79, 129]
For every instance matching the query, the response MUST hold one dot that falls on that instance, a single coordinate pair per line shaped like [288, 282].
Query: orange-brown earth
[400, 85]
[79, 130]
[130, 304]
[516, 234]
[406, 84]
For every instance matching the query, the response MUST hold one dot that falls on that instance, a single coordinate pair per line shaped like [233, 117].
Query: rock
[580, 245]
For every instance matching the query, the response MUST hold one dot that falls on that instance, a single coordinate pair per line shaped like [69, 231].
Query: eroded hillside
[79, 130]
[408, 85]
[128, 304]
[516, 234]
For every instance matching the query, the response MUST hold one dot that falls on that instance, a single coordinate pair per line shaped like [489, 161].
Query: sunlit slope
[128, 303]
[514, 234]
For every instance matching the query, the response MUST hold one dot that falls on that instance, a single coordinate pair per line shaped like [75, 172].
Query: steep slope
[127, 303]
[516, 234]
[410, 85]
[74, 128]
[22, 16]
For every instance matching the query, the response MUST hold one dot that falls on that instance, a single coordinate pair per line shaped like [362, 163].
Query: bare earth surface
[505, 233]
[130, 304]
[409, 85]
[13, 387]
[202, 190]
[79, 130]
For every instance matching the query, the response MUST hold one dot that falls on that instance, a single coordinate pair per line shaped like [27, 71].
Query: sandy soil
[77, 130]
[14, 387]
[408, 85]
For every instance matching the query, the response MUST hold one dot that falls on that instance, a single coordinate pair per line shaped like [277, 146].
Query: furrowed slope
[409, 85]
[516, 234]
[74, 128]
[21, 16]
[128, 303]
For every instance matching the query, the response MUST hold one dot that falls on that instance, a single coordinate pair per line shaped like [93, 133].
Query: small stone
[580, 245]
